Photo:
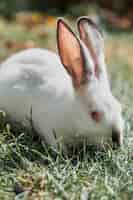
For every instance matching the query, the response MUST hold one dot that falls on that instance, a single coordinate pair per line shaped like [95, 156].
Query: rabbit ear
[70, 53]
[92, 38]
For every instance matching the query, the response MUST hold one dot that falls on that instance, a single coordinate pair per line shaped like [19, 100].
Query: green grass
[27, 166]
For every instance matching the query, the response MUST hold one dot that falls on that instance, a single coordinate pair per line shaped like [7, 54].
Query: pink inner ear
[70, 53]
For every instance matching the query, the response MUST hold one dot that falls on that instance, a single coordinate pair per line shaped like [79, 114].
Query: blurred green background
[9, 7]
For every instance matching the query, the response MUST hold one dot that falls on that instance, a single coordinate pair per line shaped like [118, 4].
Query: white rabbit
[69, 94]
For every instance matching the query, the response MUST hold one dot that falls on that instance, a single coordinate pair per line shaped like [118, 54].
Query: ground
[28, 170]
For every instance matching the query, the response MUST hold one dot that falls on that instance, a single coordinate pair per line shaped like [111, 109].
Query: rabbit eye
[96, 116]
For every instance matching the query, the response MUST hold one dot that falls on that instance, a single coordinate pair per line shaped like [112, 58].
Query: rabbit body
[34, 86]
[35, 79]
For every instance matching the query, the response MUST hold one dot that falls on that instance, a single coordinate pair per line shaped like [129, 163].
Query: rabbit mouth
[116, 139]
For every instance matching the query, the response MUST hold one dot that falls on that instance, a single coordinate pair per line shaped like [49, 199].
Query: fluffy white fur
[35, 79]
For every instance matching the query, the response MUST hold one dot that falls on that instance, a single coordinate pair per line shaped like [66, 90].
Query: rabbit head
[83, 59]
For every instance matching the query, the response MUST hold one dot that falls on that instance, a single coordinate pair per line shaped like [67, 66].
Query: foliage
[7, 8]
[119, 6]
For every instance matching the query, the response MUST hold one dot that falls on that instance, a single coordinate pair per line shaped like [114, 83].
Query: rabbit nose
[116, 140]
